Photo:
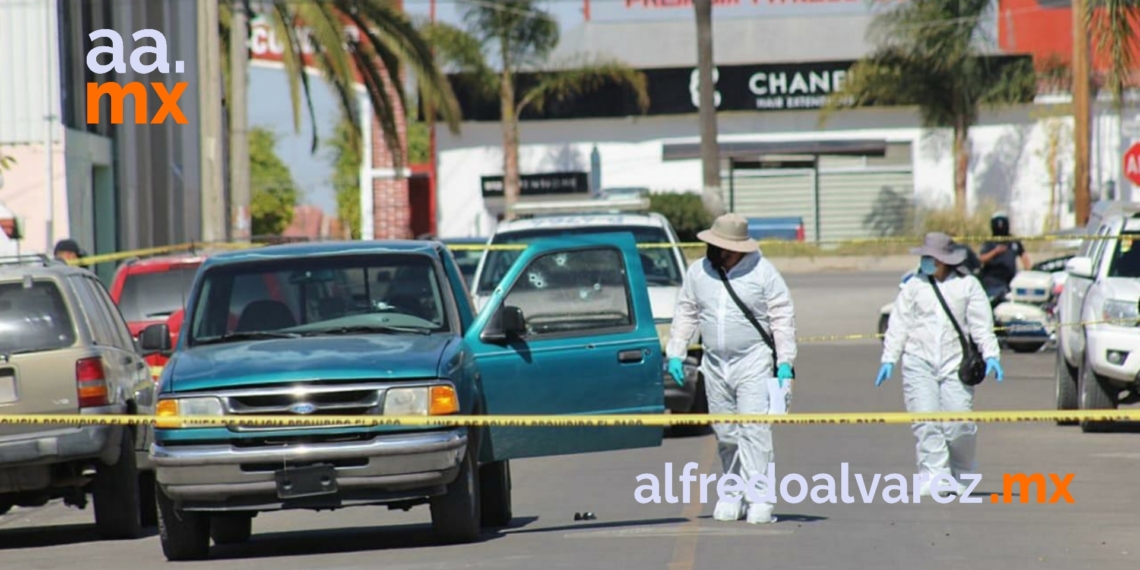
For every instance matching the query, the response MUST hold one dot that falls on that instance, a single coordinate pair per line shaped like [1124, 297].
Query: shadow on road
[57, 535]
[602, 525]
[342, 540]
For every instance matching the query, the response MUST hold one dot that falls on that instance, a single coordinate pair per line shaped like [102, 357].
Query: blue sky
[269, 107]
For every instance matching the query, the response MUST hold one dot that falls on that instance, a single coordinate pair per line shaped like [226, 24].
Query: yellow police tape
[601, 420]
[194, 246]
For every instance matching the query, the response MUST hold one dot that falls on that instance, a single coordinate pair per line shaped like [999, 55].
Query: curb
[844, 264]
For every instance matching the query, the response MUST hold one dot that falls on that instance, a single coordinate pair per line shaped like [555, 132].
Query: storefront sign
[540, 184]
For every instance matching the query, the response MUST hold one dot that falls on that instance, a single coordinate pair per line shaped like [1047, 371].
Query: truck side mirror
[508, 322]
[155, 338]
[1080, 267]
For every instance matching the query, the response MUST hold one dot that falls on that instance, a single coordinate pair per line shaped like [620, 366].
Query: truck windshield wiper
[358, 329]
[251, 335]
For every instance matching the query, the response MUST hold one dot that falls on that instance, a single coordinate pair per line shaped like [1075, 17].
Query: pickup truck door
[1073, 299]
[588, 345]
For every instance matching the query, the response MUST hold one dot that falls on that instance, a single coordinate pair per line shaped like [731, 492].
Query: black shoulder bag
[972, 370]
[751, 318]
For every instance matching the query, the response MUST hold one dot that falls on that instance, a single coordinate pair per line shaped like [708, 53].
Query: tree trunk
[961, 166]
[1081, 113]
[511, 182]
[710, 154]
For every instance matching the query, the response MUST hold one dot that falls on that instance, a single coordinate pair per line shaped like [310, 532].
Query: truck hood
[1122, 288]
[362, 357]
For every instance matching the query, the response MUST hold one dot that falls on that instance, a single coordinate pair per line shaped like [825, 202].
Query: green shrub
[949, 221]
[685, 211]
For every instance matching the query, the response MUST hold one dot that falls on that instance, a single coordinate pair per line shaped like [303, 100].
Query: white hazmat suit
[737, 363]
[921, 333]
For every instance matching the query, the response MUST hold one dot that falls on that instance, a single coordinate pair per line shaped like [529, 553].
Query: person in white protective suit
[921, 332]
[741, 356]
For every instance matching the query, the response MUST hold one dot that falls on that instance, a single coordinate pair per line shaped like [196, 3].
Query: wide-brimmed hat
[729, 232]
[942, 248]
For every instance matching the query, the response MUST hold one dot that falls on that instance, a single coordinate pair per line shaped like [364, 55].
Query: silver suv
[65, 349]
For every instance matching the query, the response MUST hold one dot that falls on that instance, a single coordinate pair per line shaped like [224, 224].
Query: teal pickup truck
[386, 328]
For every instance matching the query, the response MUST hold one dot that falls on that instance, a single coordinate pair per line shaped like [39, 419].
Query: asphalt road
[1098, 531]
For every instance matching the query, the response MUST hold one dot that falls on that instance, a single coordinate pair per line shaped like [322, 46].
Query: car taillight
[91, 382]
[800, 233]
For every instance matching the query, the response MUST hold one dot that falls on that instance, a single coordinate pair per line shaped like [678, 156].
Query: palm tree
[928, 56]
[522, 36]
[387, 37]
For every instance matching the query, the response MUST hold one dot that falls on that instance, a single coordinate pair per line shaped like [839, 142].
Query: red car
[151, 291]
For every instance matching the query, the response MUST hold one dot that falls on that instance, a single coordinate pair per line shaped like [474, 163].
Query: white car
[664, 267]
[1098, 363]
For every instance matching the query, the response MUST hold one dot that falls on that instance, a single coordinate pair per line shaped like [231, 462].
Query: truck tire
[231, 529]
[455, 515]
[118, 501]
[495, 494]
[184, 535]
[1026, 347]
[148, 510]
[1066, 380]
[1094, 396]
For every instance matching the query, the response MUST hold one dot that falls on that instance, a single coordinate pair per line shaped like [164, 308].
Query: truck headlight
[1117, 310]
[186, 407]
[421, 401]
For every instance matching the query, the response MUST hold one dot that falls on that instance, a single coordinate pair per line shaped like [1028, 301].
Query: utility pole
[239, 137]
[49, 105]
[1082, 111]
[710, 152]
[210, 99]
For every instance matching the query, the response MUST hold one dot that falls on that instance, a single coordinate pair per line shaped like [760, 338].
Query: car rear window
[34, 319]
[155, 295]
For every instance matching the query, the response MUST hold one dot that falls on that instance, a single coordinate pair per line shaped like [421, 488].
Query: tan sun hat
[941, 247]
[729, 232]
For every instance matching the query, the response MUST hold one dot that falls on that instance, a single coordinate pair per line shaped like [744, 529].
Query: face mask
[927, 266]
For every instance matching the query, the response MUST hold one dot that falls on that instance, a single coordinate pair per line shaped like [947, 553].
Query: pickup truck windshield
[156, 294]
[395, 293]
[1126, 256]
[659, 263]
[34, 319]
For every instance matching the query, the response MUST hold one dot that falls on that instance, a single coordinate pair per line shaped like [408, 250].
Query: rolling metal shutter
[850, 189]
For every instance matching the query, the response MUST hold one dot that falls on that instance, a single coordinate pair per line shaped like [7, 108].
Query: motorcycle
[1024, 318]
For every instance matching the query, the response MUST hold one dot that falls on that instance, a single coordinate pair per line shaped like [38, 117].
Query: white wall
[25, 194]
[1007, 161]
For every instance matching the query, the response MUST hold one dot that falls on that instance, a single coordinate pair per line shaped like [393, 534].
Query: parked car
[664, 269]
[386, 328]
[1097, 363]
[466, 258]
[65, 349]
[148, 291]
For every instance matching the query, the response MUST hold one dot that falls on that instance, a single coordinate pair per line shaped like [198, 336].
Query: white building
[774, 102]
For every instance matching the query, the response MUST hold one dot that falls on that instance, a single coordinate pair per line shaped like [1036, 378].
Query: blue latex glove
[992, 365]
[677, 371]
[784, 372]
[885, 372]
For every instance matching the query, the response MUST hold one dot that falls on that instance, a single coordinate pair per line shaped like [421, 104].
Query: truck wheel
[495, 494]
[455, 516]
[185, 535]
[700, 406]
[118, 501]
[1094, 396]
[1066, 380]
[231, 529]
[1027, 347]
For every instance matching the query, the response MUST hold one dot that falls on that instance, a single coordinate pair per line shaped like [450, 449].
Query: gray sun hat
[942, 248]
[730, 232]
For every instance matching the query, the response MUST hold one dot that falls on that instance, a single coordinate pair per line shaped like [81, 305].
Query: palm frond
[330, 52]
[397, 41]
[280, 22]
[584, 76]
[382, 105]
[463, 52]
[1116, 26]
